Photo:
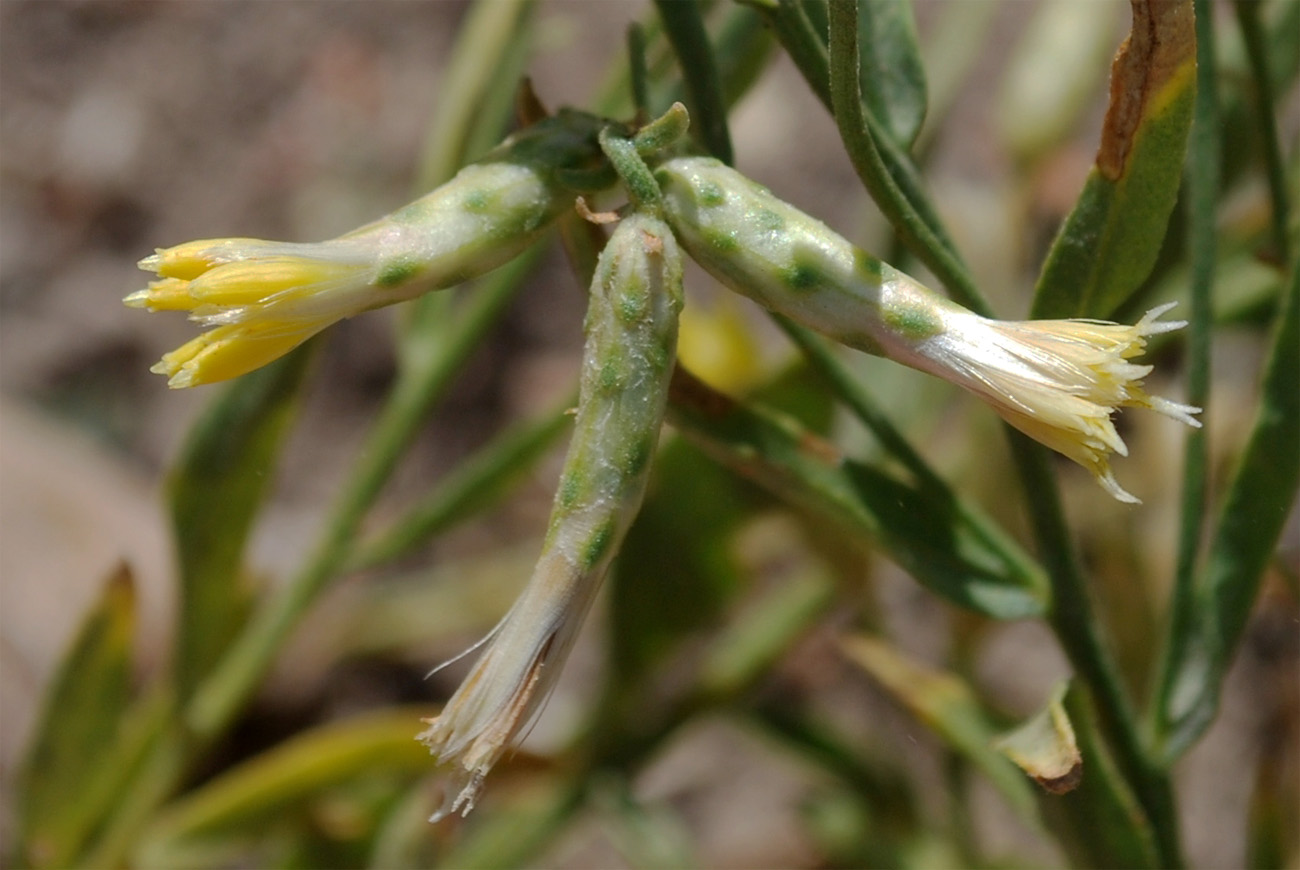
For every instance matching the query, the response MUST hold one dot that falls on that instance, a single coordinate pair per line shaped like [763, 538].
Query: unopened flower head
[1058, 381]
[262, 298]
[627, 362]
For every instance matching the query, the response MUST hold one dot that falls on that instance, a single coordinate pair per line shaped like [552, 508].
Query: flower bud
[265, 298]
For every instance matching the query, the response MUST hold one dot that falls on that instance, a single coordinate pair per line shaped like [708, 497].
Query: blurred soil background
[126, 126]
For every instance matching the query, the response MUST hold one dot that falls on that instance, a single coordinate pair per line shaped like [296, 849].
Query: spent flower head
[627, 362]
[1058, 381]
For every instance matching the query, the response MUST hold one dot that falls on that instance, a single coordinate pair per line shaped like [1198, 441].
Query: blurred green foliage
[705, 622]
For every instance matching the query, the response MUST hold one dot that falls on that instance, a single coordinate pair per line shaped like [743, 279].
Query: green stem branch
[1202, 186]
[1252, 33]
[1076, 627]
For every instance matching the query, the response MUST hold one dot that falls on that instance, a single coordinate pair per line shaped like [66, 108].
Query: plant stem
[866, 143]
[1202, 186]
[1252, 33]
[1072, 617]
[690, 41]
[1076, 628]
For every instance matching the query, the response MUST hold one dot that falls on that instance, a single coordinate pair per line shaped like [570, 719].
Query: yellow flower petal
[254, 282]
[230, 351]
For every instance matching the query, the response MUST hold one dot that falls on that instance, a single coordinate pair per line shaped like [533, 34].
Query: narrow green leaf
[1109, 243]
[1262, 492]
[490, 39]
[883, 167]
[743, 49]
[215, 491]
[1252, 31]
[919, 528]
[473, 486]
[675, 573]
[1240, 130]
[690, 41]
[755, 642]
[82, 715]
[251, 795]
[638, 70]
[891, 73]
[1202, 196]
[159, 754]
[946, 705]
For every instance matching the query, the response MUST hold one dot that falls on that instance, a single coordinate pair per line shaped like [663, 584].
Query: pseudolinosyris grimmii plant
[1058, 381]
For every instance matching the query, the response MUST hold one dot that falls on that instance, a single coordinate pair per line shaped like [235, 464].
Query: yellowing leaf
[1109, 243]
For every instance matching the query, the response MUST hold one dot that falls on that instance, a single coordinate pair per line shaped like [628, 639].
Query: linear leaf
[945, 704]
[685, 29]
[83, 711]
[923, 531]
[215, 491]
[472, 487]
[244, 798]
[892, 75]
[1108, 244]
[1261, 494]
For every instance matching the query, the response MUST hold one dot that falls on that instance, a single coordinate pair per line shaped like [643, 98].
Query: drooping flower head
[261, 298]
[627, 362]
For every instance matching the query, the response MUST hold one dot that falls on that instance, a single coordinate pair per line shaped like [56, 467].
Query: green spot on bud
[862, 341]
[720, 241]
[770, 220]
[632, 305]
[505, 227]
[911, 321]
[710, 193]
[611, 375]
[599, 543]
[477, 201]
[659, 357]
[397, 272]
[570, 489]
[638, 456]
[866, 267]
[803, 276]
